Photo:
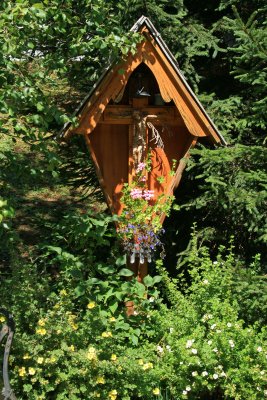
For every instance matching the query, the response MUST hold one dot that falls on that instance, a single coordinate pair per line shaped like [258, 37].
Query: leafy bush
[74, 339]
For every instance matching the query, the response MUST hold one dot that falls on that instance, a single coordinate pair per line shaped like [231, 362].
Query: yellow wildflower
[156, 391]
[63, 293]
[141, 361]
[106, 334]
[147, 366]
[51, 360]
[72, 348]
[91, 355]
[100, 380]
[2, 319]
[31, 371]
[71, 319]
[41, 331]
[59, 331]
[26, 356]
[40, 360]
[57, 306]
[41, 322]
[91, 305]
[22, 371]
[112, 319]
[113, 394]
[113, 357]
[96, 394]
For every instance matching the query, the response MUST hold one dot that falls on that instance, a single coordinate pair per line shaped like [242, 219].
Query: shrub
[74, 339]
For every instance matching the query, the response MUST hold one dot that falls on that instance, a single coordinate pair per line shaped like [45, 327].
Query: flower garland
[140, 222]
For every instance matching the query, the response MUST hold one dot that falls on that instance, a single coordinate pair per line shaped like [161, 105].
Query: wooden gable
[171, 117]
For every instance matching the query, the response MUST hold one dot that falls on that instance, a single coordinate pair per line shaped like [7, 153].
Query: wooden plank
[98, 172]
[130, 159]
[174, 88]
[110, 145]
[192, 140]
[167, 115]
[109, 88]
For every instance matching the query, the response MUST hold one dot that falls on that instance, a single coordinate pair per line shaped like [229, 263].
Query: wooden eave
[153, 52]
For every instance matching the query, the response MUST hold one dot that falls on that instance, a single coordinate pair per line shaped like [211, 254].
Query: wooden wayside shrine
[142, 102]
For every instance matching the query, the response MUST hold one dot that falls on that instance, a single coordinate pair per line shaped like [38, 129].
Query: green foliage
[232, 195]
[77, 345]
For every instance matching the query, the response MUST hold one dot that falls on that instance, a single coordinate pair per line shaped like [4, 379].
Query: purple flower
[140, 167]
[136, 193]
[148, 194]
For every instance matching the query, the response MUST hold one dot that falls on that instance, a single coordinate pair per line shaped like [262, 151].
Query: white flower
[215, 262]
[189, 343]
[206, 317]
[171, 330]
[220, 367]
[262, 372]
[258, 388]
[194, 351]
[218, 331]
[229, 324]
[259, 349]
[213, 326]
[160, 349]
[168, 348]
[181, 362]
[194, 373]
[231, 342]
[184, 392]
[151, 299]
[222, 373]
[188, 388]
[215, 350]
[209, 342]
[215, 376]
[204, 373]
[205, 282]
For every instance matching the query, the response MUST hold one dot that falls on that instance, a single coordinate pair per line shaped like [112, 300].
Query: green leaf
[157, 279]
[134, 339]
[38, 5]
[121, 260]
[79, 290]
[113, 306]
[125, 272]
[107, 270]
[148, 280]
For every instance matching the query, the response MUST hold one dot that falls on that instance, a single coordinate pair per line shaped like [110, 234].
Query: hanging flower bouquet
[140, 222]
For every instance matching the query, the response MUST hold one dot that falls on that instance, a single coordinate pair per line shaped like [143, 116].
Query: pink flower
[136, 193]
[140, 167]
[143, 179]
[148, 194]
